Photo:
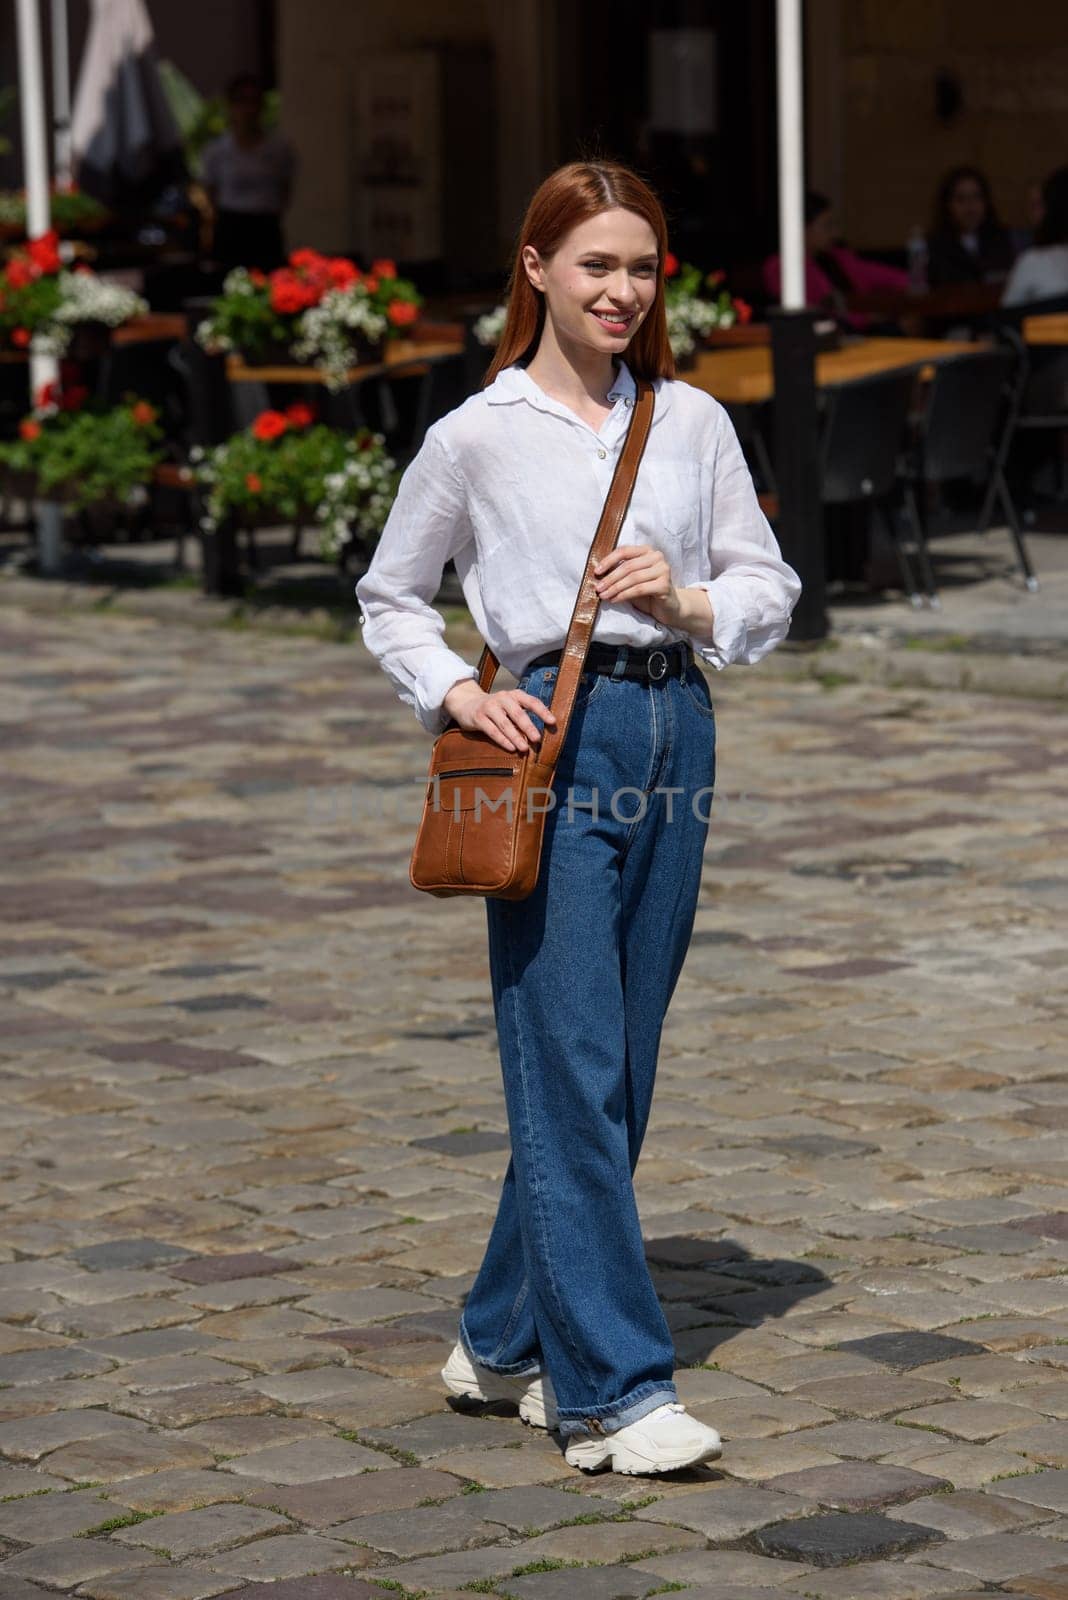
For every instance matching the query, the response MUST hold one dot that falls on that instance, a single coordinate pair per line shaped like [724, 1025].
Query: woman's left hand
[640, 576]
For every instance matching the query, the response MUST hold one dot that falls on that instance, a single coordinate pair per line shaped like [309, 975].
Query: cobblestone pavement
[253, 1133]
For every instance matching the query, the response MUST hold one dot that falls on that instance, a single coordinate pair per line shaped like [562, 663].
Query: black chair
[964, 432]
[1043, 401]
[860, 448]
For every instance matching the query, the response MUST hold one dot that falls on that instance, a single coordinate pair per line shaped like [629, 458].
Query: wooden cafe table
[1049, 329]
[743, 376]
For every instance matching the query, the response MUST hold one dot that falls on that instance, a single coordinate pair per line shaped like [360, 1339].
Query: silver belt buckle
[656, 665]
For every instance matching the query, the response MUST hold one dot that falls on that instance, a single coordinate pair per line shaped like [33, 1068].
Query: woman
[563, 1317]
[1041, 273]
[248, 175]
[967, 242]
[833, 272]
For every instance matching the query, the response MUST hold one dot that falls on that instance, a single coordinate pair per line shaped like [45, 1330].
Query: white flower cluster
[690, 318]
[488, 328]
[87, 298]
[236, 282]
[356, 499]
[324, 332]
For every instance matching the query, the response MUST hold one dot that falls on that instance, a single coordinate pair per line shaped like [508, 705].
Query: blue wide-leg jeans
[582, 974]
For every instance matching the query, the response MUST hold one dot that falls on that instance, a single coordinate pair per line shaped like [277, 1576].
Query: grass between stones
[129, 1519]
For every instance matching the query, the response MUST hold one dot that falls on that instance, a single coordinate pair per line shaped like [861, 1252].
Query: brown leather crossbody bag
[483, 819]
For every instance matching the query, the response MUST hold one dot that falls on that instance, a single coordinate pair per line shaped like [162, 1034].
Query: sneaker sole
[632, 1465]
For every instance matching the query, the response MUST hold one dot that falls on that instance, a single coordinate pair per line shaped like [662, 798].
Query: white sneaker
[663, 1441]
[532, 1392]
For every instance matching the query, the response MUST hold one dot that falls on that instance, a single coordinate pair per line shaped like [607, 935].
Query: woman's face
[600, 282]
[967, 208]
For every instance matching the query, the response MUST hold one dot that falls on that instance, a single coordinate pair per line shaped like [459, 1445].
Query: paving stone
[158, 1583]
[857, 1485]
[995, 1556]
[435, 1436]
[970, 1466]
[114, 1253]
[235, 1436]
[529, 1462]
[841, 1537]
[881, 1580]
[455, 1525]
[45, 1366]
[119, 1456]
[309, 1461]
[34, 1437]
[177, 1491]
[201, 1532]
[974, 1420]
[881, 1395]
[527, 1511]
[724, 1512]
[65, 1562]
[333, 1500]
[42, 1518]
[289, 1555]
[608, 1542]
[904, 1351]
[238, 1264]
[1047, 1443]
[595, 1583]
[1048, 1488]
[324, 1587]
[20, 1481]
[967, 1514]
[1050, 1584]
[178, 1408]
[739, 1568]
[863, 1440]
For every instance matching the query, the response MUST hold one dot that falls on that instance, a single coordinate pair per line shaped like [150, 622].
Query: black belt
[650, 664]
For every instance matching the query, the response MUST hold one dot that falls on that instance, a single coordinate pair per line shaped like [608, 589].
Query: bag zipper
[474, 772]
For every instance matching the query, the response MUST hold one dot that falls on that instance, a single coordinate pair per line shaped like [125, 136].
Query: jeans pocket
[695, 688]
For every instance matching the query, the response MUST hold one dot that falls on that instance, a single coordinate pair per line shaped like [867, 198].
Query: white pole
[43, 369]
[61, 147]
[790, 70]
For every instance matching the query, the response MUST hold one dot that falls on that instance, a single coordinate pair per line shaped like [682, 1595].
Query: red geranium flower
[671, 264]
[304, 258]
[342, 272]
[290, 294]
[401, 313]
[48, 394]
[370, 283]
[20, 337]
[257, 277]
[253, 482]
[385, 268]
[743, 311]
[44, 252]
[19, 272]
[269, 425]
[714, 279]
[29, 430]
[142, 413]
[299, 415]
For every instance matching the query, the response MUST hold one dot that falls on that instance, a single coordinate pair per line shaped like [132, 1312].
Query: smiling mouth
[614, 321]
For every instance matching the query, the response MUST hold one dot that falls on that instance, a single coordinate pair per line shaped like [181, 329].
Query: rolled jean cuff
[518, 1369]
[621, 1413]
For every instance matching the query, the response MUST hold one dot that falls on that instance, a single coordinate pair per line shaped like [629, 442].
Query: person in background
[1041, 273]
[248, 175]
[833, 272]
[967, 242]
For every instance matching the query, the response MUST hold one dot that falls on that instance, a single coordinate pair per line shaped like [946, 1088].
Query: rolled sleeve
[428, 524]
[752, 590]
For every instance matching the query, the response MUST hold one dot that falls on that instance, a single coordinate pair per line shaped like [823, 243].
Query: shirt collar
[515, 383]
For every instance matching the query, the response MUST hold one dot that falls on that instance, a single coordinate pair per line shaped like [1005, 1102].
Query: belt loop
[621, 663]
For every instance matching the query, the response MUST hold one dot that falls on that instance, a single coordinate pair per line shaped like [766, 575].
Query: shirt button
[602, 454]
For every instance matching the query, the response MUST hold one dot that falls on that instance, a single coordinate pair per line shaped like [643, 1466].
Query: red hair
[569, 196]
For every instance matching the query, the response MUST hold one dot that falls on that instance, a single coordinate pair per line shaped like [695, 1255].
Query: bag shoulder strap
[587, 604]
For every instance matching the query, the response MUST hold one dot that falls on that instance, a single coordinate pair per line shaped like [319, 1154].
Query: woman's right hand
[501, 715]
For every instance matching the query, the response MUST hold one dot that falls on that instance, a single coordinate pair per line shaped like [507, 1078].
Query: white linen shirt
[510, 486]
